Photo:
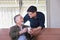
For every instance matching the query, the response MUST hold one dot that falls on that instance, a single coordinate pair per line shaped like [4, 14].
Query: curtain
[7, 16]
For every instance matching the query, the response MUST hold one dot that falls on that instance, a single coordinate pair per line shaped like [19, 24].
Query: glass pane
[8, 9]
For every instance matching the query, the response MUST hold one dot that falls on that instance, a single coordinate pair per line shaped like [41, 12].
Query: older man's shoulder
[15, 26]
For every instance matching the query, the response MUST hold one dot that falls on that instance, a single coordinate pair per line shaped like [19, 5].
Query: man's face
[19, 20]
[32, 14]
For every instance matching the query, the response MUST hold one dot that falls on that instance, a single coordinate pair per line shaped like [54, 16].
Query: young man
[19, 31]
[37, 19]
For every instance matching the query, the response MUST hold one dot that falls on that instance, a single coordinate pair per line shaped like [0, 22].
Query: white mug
[29, 28]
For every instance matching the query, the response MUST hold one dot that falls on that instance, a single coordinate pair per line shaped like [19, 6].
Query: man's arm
[35, 31]
[26, 18]
[42, 20]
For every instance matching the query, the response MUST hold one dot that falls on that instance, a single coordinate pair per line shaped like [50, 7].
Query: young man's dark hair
[15, 17]
[32, 9]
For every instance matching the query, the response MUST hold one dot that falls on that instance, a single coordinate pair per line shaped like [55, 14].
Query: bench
[45, 34]
[4, 34]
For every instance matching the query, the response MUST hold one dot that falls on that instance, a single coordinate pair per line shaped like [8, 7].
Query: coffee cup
[29, 30]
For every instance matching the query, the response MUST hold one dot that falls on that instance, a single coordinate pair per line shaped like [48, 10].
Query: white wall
[53, 12]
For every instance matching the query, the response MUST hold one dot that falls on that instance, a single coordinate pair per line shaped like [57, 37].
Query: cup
[29, 29]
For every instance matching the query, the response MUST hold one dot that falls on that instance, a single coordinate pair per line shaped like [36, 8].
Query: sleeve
[42, 20]
[13, 33]
[26, 26]
[26, 18]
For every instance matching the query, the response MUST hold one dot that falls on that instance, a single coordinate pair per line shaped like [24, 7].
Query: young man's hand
[35, 31]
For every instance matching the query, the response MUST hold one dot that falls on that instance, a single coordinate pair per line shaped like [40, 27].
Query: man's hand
[23, 31]
[35, 31]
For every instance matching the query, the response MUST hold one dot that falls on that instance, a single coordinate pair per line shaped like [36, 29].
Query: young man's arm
[26, 18]
[41, 22]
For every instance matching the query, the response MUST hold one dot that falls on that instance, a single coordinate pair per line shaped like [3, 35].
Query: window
[10, 8]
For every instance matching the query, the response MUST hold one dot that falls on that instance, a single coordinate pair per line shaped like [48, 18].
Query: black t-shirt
[35, 22]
